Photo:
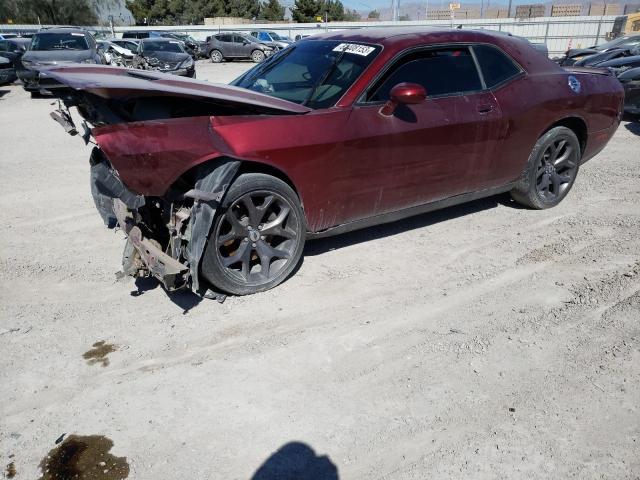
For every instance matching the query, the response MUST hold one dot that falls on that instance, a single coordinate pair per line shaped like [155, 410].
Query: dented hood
[115, 82]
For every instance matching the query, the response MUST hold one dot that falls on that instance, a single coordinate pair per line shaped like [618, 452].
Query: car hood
[631, 74]
[619, 62]
[114, 82]
[57, 55]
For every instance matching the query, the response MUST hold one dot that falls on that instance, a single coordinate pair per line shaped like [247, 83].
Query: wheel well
[578, 127]
[255, 167]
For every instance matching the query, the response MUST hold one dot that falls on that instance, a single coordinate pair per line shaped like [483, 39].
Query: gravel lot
[481, 341]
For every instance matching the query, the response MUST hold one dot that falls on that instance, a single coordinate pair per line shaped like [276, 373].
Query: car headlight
[28, 63]
[188, 63]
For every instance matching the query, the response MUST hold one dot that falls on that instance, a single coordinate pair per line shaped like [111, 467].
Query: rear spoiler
[592, 70]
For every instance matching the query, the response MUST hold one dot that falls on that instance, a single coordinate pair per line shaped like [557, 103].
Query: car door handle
[483, 109]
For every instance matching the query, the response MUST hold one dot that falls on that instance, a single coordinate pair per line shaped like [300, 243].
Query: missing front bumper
[143, 257]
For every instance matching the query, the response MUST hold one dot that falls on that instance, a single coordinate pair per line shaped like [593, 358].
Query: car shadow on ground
[296, 461]
[185, 299]
[633, 126]
[4, 92]
[323, 245]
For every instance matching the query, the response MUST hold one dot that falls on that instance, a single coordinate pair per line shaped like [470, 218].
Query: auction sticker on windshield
[363, 50]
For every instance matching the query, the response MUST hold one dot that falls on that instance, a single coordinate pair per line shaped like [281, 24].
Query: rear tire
[216, 56]
[551, 170]
[257, 237]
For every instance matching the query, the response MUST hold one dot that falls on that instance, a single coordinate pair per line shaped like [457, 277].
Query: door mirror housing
[403, 94]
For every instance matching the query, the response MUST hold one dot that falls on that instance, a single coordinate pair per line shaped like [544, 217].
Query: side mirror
[403, 94]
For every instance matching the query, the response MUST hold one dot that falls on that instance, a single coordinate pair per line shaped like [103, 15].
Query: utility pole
[509, 10]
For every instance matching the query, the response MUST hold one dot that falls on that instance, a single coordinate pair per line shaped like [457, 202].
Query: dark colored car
[230, 45]
[164, 55]
[630, 80]
[619, 62]
[54, 47]
[220, 185]
[12, 50]
[190, 45]
[574, 55]
[193, 46]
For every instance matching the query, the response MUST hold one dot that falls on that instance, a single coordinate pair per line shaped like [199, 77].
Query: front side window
[495, 65]
[3, 46]
[441, 71]
[59, 41]
[315, 73]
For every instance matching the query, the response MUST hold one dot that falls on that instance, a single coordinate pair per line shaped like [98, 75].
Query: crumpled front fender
[149, 156]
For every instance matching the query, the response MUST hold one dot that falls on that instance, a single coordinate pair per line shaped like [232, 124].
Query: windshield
[275, 36]
[312, 73]
[59, 41]
[163, 46]
[620, 42]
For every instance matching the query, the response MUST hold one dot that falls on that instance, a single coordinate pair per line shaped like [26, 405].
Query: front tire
[257, 56]
[257, 237]
[551, 170]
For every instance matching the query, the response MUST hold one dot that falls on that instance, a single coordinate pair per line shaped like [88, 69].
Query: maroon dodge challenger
[218, 186]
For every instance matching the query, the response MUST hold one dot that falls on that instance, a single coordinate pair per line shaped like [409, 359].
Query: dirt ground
[483, 341]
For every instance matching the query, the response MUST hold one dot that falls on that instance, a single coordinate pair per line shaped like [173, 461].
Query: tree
[305, 11]
[351, 16]
[404, 18]
[52, 12]
[334, 10]
[242, 8]
[8, 11]
[374, 15]
[272, 11]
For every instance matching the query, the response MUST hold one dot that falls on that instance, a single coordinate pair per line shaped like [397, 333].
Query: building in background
[599, 9]
[566, 10]
[530, 11]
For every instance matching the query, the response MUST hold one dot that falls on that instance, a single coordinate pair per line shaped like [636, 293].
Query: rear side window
[496, 66]
[442, 71]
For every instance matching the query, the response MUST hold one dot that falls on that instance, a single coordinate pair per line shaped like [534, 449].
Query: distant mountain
[104, 9]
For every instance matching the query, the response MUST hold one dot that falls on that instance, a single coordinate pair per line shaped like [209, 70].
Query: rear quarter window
[497, 67]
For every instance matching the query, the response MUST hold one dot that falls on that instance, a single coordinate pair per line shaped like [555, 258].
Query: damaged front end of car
[158, 171]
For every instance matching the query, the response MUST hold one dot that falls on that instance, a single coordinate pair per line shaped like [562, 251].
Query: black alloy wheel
[551, 170]
[556, 169]
[257, 237]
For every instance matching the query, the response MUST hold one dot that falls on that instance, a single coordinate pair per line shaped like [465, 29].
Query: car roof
[388, 36]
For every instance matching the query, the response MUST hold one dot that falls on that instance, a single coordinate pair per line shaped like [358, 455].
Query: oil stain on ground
[84, 458]
[10, 472]
[99, 352]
